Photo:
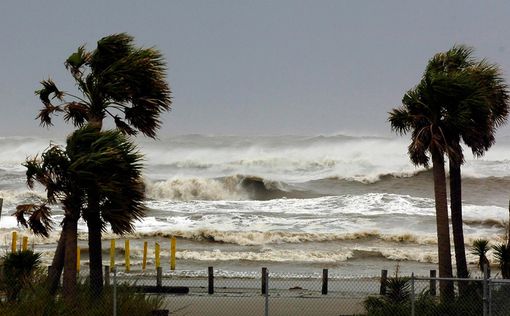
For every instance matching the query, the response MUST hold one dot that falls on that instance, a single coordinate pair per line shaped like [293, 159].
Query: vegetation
[502, 255]
[18, 272]
[480, 248]
[116, 80]
[105, 161]
[37, 301]
[475, 115]
[457, 99]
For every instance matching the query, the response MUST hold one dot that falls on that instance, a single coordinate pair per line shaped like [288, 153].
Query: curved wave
[237, 187]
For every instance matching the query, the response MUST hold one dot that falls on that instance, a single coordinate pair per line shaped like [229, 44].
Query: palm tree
[502, 255]
[68, 176]
[476, 125]
[116, 80]
[52, 171]
[480, 248]
[426, 113]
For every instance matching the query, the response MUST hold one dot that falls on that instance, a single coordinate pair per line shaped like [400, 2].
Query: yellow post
[172, 254]
[144, 261]
[14, 241]
[126, 254]
[157, 255]
[112, 254]
[25, 243]
[78, 252]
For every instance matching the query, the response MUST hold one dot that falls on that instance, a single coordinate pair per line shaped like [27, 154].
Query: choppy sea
[294, 203]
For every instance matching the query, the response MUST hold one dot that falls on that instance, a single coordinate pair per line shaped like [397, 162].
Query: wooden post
[157, 255]
[432, 282]
[1, 204]
[25, 243]
[324, 281]
[106, 275]
[210, 272]
[264, 280]
[159, 276]
[126, 255]
[112, 254]
[172, 254]
[14, 241]
[144, 260]
[78, 253]
[384, 280]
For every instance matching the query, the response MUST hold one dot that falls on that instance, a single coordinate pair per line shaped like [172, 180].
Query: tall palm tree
[116, 80]
[68, 175]
[425, 112]
[476, 126]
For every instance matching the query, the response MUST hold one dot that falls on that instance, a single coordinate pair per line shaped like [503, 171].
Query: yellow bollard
[14, 241]
[78, 253]
[126, 255]
[25, 243]
[112, 254]
[144, 260]
[157, 255]
[172, 254]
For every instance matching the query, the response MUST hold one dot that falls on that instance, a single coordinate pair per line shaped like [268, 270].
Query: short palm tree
[502, 255]
[68, 175]
[476, 125]
[116, 80]
[480, 248]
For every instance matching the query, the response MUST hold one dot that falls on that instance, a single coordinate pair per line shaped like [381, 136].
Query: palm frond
[49, 88]
[76, 112]
[77, 60]
[39, 219]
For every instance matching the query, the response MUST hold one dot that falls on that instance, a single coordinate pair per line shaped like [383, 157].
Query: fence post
[114, 291]
[485, 278]
[157, 250]
[14, 241]
[264, 280]
[144, 260]
[127, 255]
[159, 276]
[490, 296]
[112, 254]
[324, 281]
[384, 279]
[412, 294]
[266, 291]
[25, 243]
[78, 259]
[1, 203]
[433, 282]
[172, 253]
[107, 275]
[210, 272]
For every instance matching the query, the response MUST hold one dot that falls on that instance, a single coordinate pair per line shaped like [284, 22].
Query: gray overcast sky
[253, 67]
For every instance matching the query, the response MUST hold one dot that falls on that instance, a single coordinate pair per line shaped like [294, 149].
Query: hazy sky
[252, 67]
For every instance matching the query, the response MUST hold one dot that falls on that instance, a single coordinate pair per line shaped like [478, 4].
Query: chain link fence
[218, 292]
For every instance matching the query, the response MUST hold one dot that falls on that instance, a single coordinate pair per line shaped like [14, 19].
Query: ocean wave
[252, 238]
[236, 187]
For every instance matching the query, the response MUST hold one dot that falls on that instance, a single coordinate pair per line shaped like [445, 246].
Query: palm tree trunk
[57, 265]
[70, 230]
[95, 249]
[458, 232]
[443, 229]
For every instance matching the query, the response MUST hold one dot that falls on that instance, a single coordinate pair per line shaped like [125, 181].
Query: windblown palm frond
[39, 219]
